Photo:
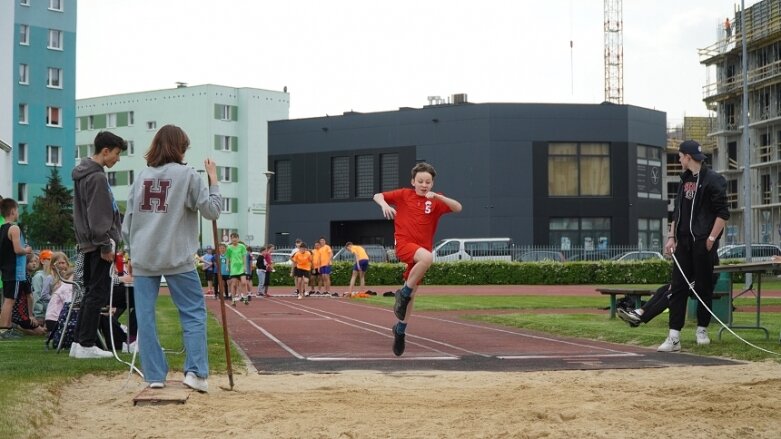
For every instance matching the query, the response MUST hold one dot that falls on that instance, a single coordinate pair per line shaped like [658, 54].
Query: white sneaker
[131, 348]
[702, 336]
[79, 351]
[157, 385]
[670, 345]
[194, 382]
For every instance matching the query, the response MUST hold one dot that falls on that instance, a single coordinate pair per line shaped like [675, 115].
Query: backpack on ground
[68, 330]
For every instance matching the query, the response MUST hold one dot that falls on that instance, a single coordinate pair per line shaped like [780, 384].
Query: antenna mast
[614, 52]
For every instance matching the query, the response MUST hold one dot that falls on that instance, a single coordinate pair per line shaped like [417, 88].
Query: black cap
[693, 149]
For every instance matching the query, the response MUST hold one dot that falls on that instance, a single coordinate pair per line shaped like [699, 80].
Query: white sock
[639, 311]
[675, 334]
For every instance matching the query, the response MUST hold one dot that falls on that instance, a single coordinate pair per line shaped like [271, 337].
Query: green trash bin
[721, 301]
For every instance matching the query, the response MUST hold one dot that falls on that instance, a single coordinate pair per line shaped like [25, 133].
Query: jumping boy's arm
[14, 235]
[387, 211]
[454, 205]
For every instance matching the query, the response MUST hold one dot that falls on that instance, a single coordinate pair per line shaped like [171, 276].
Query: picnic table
[758, 268]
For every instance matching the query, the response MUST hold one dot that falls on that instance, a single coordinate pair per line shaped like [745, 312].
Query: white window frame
[131, 118]
[226, 112]
[24, 74]
[53, 5]
[24, 114]
[21, 193]
[225, 143]
[55, 152]
[151, 125]
[111, 120]
[24, 35]
[56, 73]
[225, 174]
[131, 147]
[23, 151]
[49, 112]
[226, 205]
[55, 43]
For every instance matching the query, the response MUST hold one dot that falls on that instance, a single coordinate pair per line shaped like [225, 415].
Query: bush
[500, 273]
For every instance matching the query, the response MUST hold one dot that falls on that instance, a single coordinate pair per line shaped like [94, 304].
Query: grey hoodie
[96, 216]
[161, 222]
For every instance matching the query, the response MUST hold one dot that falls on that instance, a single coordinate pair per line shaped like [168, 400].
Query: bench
[634, 294]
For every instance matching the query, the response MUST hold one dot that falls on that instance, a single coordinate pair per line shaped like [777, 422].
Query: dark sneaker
[400, 307]
[630, 317]
[398, 342]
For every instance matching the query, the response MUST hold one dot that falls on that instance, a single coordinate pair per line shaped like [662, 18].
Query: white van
[473, 249]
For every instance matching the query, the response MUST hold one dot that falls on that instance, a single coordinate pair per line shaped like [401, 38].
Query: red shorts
[406, 253]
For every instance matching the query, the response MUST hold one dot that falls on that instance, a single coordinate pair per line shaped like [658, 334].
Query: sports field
[323, 368]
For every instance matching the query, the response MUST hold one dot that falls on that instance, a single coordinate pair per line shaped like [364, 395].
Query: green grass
[26, 365]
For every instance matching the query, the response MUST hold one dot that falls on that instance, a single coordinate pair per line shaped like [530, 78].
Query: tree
[50, 221]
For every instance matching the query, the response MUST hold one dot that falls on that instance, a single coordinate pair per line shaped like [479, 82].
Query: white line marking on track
[566, 357]
[269, 335]
[505, 331]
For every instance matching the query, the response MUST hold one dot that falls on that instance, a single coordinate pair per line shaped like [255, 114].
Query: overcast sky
[377, 55]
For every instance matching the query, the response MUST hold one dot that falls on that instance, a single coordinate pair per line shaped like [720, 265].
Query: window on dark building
[283, 180]
[585, 233]
[364, 176]
[649, 233]
[340, 178]
[389, 172]
[578, 169]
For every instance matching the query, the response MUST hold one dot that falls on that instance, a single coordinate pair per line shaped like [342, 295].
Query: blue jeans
[187, 295]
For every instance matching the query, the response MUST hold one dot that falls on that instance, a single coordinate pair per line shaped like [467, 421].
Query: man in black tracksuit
[701, 211]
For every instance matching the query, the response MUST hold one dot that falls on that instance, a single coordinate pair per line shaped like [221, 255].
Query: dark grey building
[544, 174]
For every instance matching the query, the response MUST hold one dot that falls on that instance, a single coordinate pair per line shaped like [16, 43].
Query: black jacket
[710, 202]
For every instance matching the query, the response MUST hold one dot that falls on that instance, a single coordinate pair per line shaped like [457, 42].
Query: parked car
[473, 249]
[542, 255]
[759, 252]
[376, 253]
[643, 255]
[277, 257]
[590, 255]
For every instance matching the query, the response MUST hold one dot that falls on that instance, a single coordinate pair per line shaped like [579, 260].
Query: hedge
[502, 273]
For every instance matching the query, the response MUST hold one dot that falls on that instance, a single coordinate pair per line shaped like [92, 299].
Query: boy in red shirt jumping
[416, 215]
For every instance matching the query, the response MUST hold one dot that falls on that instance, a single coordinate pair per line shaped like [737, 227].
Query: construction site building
[760, 25]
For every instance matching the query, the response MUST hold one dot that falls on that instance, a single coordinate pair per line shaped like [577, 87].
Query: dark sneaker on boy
[629, 316]
[398, 342]
[400, 307]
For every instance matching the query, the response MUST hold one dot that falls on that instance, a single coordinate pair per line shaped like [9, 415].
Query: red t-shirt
[416, 217]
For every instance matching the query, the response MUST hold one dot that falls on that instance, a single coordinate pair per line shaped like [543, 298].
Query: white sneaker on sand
[79, 351]
[702, 336]
[194, 382]
[131, 348]
[670, 345]
[157, 385]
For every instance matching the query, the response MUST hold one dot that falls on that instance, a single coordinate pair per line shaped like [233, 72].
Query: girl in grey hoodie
[161, 231]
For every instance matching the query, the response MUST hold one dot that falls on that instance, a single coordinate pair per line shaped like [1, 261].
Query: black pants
[97, 285]
[697, 264]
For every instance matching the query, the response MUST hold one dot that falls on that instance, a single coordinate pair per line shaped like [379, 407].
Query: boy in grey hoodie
[96, 219]
[161, 230]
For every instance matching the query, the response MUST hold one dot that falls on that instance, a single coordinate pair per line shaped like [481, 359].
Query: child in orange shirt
[302, 266]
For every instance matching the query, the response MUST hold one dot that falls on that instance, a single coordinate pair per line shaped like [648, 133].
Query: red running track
[318, 334]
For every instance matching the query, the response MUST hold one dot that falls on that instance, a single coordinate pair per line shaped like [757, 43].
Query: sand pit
[741, 401]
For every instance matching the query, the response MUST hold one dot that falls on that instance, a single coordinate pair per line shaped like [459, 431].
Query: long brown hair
[168, 146]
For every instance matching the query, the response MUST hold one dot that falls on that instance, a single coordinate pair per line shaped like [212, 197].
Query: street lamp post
[268, 175]
[200, 219]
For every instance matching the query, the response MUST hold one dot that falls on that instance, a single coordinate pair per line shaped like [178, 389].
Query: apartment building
[225, 123]
[37, 94]
[760, 26]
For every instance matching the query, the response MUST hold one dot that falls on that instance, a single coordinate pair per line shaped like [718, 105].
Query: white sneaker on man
[194, 382]
[79, 351]
[702, 336]
[670, 345]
